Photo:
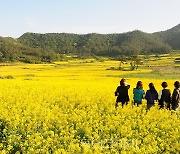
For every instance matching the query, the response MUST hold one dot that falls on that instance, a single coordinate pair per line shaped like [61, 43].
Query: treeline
[131, 43]
[11, 50]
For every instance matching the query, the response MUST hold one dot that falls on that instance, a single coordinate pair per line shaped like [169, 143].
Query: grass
[152, 75]
[160, 67]
[169, 72]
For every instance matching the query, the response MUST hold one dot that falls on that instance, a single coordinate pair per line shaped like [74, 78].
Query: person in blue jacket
[138, 93]
[151, 96]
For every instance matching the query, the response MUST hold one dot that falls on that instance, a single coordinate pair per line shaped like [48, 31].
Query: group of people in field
[164, 97]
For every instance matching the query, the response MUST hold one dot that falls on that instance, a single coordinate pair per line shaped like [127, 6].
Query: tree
[135, 62]
[122, 60]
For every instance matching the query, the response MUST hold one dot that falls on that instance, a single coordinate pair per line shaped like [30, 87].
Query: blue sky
[86, 16]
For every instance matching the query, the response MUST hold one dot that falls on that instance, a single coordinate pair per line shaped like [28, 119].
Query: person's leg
[124, 103]
[135, 103]
[174, 107]
[168, 106]
[116, 104]
[149, 106]
[161, 105]
[178, 107]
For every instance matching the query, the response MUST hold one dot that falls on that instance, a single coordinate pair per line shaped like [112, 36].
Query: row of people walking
[164, 98]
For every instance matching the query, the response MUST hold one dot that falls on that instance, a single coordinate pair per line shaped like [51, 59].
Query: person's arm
[170, 98]
[116, 92]
[143, 95]
[156, 97]
[146, 96]
[174, 96]
[160, 94]
[127, 85]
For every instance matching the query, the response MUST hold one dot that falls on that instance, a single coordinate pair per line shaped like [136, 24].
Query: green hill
[135, 42]
[171, 36]
[34, 47]
[12, 50]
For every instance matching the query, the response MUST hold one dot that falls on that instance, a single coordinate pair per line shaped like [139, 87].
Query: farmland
[68, 107]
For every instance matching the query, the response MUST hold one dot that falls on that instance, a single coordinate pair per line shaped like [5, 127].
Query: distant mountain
[34, 47]
[171, 37]
[135, 42]
[12, 50]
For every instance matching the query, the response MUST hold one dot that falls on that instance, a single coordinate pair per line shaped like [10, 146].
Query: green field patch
[154, 75]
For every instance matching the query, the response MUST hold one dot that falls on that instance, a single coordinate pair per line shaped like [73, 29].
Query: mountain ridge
[131, 42]
[171, 36]
[43, 47]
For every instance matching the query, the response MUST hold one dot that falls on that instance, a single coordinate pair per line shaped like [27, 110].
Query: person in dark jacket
[176, 96]
[122, 93]
[164, 96]
[151, 96]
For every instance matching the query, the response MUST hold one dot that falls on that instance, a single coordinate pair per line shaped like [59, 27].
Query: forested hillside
[135, 42]
[12, 50]
[34, 47]
[171, 36]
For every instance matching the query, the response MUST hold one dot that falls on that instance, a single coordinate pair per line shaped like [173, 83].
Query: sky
[86, 16]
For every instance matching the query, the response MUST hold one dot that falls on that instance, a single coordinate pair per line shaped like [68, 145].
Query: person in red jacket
[122, 93]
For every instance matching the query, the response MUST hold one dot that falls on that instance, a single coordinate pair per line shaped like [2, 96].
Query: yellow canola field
[61, 108]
